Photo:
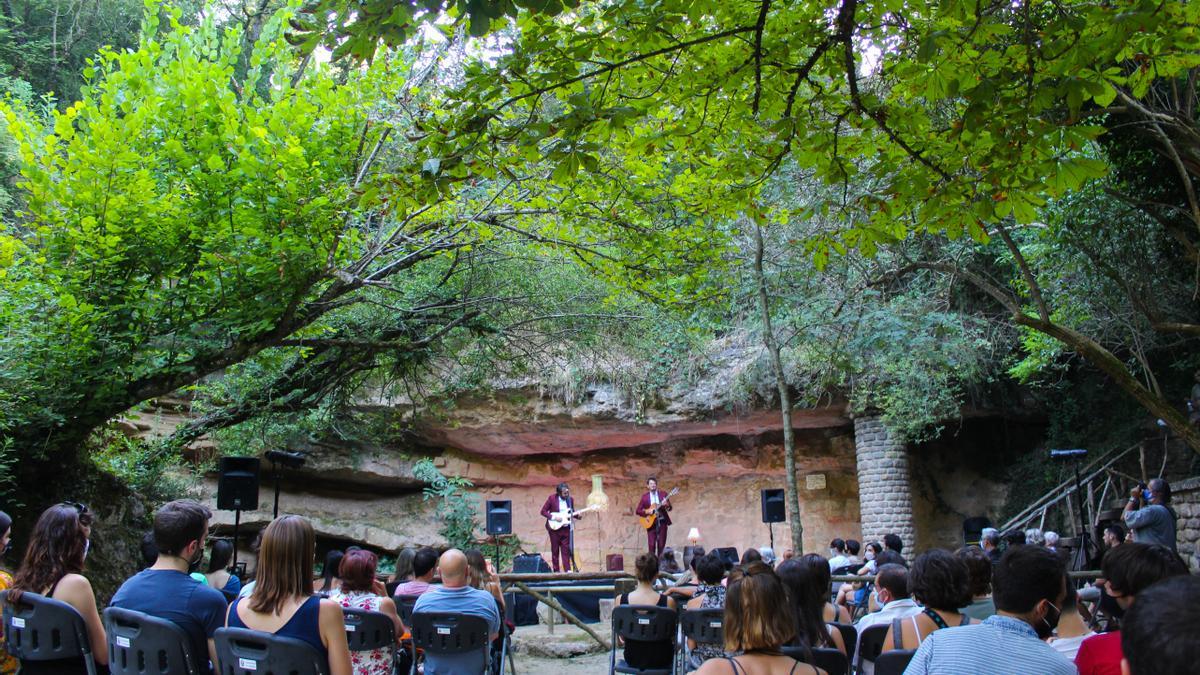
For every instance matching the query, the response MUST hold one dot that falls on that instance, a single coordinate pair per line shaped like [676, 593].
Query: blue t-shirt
[168, 594]
[464, 600]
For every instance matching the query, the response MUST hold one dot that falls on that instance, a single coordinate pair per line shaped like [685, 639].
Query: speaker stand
[275, 475]
[237, 523]
[771, 531]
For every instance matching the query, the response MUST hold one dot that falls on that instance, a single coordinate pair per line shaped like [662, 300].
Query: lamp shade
[693, 536]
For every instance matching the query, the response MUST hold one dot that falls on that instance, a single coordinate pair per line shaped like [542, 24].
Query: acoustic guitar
[647, 520]
[559, 520]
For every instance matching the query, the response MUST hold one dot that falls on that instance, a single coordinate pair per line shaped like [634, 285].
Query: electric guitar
[559, 520]
[648, 520]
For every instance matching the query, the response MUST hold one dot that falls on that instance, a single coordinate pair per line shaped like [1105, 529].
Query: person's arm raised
[333, 635]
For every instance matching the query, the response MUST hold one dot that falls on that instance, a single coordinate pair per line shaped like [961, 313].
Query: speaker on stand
[773, 511]
[237, 489]
[499, 522]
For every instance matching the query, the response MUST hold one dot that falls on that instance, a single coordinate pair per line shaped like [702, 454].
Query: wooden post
[550, 615]
[553, 604]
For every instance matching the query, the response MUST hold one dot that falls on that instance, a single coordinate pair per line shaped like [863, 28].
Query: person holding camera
[1149, 516]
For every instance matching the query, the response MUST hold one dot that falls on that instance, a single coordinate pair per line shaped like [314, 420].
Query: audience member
[404, 566]
[989, 541]
[757, 626]
[424, 567]
[8, 663]
[806, 580]
[750, 555]
[788, 554]
[53, 567]
[1159, 633]
[1014, 538]
[852, 550]
[767, 555]
[938, 582]
[283, 602]
[219, 577]
[1114, 535]
[670, 564]
[1051, 539]
[837, 554]
[640, 654]
[1072, 629]
[165, 589]
[329, 572]
[1034, 537]
[857, 592]
[1149, 516]
[358, 591]
[890, 557]
[892, 542]
[1128, 569]
[979, 580]
[891, 586]
[1028, 589]
[456, 595]
[710, 594]
[483, 576]
[148, 550]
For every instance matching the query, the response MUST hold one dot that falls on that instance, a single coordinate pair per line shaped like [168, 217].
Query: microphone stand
[571, 532]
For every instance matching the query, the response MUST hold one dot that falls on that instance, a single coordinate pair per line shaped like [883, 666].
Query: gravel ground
[589, 664]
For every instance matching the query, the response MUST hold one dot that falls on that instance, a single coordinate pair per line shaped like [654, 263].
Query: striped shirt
[1001, 645]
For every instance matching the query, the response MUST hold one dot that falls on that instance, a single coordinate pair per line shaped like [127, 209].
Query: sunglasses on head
[78, 506]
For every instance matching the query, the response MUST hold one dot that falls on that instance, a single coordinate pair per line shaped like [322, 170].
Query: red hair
[358, 570]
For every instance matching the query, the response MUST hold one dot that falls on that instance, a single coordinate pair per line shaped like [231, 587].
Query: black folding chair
[367, 631]
[832, 661]
[849, 638]
[451, 633]
[644, 623]
[893, 662]
[250, 652]
[140, 644]
[44, 629]
[871, 642]
[405, 604]
[704, 626]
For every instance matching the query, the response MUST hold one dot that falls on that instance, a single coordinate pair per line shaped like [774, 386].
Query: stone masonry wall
[1185, 497]
[884, 494]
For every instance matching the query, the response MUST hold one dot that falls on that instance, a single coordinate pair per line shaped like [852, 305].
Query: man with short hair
[1028, 588]
[1114, 536]
[424, 566]
[1128, 570]
[989, 541]
[891, 590]
[837, 554]
[1149, 516]
[893, 542]
[1158, 636]
[165, 589]
[456, 595]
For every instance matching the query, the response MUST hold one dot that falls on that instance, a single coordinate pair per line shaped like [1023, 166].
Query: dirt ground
[535, 649]
[573, 665]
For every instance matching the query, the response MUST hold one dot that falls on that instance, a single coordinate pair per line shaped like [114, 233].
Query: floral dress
[714, 598]
[376, 661]
[8, 663]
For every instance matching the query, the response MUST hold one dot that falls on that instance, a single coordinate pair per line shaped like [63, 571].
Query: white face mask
[87, 546]
[870, 555]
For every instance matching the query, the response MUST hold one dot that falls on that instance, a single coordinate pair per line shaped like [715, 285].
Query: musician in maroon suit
[560, 539]
[652, 499]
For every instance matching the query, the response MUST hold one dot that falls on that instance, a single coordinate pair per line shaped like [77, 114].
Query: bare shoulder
[75, 585]
[715, 667]
[330, 609]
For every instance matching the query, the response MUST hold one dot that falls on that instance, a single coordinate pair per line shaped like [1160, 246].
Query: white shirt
[837, 561]
[654, 498]
[896, 609]
[1069, 647]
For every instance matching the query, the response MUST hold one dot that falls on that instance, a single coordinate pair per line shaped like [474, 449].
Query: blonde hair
[285, 564]
[757, 616]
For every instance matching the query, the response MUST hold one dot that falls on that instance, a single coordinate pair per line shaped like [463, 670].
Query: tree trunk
[791, 490]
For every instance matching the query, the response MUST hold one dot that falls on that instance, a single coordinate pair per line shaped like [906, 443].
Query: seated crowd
[971, 611]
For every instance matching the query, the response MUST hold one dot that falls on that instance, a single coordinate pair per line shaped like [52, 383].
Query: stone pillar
[883, 490]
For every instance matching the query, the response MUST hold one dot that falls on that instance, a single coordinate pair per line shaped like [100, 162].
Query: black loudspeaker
[499, 516]
[237, 486]
[773, 510]
[729, 556]
[530, 563]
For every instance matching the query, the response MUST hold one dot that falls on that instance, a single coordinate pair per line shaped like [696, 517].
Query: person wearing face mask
[891, 588]
[1029, 586]
[1128, 570]
[167, 591]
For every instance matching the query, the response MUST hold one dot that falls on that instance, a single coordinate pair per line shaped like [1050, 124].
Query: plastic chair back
[405, 604]
[44, 629]
[705, 626]
[849, 638]
[250, 652]
[647, 623]
[140, 644]
[893, 662]
[832, 661]
[367, 631]
[451, 633]
[871, 642]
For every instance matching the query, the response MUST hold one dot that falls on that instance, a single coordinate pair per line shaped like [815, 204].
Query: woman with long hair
[939, 582]
[358, 591]
[53, 567]
[404, 566]
[218, 576]
[283, 602]
[8, 662]
[757, 626]
[639, 653]
[807, 580]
